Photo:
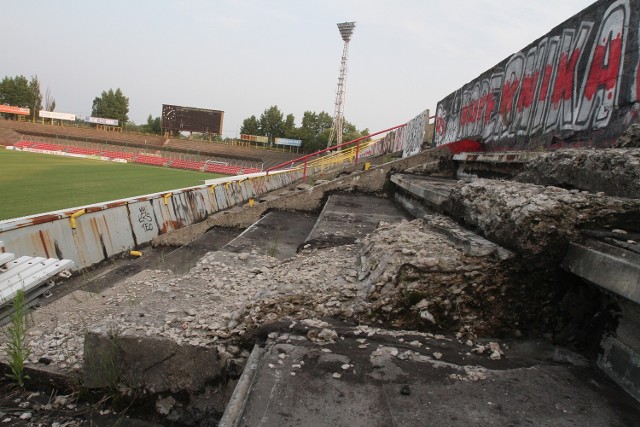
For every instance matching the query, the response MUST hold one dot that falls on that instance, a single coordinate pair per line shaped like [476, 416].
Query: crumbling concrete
[536, 220]
[366, 376]
[615, 172]
[307, 198]
[429, 274]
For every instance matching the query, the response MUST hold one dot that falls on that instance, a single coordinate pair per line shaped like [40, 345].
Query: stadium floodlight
[346, 31]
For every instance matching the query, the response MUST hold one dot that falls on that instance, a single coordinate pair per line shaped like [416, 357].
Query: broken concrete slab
[612, 268]
[435, 192]
[347, 217]
[374, 377]
[615, 172]
[277, 234]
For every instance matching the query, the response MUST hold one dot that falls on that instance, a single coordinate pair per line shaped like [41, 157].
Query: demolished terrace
[477, 272]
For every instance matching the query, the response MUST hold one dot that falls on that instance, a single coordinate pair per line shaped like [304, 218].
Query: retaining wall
[578, 85]
[108, 229]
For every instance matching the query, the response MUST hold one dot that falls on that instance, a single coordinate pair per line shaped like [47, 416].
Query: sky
[243, 56]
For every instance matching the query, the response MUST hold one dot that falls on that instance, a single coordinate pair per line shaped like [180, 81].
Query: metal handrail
[306, 158]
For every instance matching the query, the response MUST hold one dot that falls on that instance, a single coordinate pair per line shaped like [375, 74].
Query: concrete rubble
[183, 339]
[615, 172]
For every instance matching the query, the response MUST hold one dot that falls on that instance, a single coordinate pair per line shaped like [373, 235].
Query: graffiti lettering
[145, 219]
[571, 79]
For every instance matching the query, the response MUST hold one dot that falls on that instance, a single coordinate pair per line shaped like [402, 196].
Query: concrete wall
[578, 85]
[111, 228]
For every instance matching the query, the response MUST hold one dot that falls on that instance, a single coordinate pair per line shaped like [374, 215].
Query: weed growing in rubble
[16, 334]
[272, 251]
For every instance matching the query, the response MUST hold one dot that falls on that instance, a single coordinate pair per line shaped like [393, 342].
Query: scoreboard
[189, 119]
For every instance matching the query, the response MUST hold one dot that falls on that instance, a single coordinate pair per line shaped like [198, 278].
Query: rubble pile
[538, 221]
[630, 138]
[616, 172]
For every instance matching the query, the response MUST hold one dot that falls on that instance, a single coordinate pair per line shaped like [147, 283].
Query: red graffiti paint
[527, 91]
[546, 81]
[604, 69]
[440, 125]
[489, 102]
[563, 88]
[509, 92]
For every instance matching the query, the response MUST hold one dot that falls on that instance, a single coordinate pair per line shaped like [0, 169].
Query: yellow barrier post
[75, 215]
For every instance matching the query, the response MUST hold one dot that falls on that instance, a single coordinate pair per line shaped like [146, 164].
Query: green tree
[111, 105]
[289, 127]
[271, 123]
[20, 92]
[315, 130]
[153, 125]
[250, 126]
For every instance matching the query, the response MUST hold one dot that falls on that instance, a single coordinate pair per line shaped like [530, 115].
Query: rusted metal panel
[144, 224]
[107, 229]
[100, 235]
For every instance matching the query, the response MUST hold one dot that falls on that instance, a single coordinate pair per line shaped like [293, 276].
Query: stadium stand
[186, 164]
[88, 141]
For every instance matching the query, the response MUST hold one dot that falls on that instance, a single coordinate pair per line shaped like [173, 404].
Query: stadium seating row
[142, 158]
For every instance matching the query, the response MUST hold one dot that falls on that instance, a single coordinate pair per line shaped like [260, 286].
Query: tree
[153, 125]
[111, 105]
[289, 127]
[250, 126]
[20, 92]
[35, 97]
[49, 101]
[314, 130]
[271, 124]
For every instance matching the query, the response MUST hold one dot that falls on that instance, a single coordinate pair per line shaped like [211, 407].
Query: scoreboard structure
[188, 119]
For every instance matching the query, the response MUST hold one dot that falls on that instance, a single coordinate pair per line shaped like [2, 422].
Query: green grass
[35, 183]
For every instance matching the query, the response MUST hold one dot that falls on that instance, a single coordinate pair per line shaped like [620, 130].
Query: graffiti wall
[578, 85]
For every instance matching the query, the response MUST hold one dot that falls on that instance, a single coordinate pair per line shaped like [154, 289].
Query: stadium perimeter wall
[578, 85]
[97, 232]
[91, 234]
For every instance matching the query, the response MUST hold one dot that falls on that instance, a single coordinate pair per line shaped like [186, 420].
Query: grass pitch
[35, 183]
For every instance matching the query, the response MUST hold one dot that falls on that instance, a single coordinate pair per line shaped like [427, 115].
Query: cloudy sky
[242, 56]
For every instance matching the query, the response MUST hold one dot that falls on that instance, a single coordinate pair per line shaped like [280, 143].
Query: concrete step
[612, 268]
[434, 192]
[347, 217]
[277, 234]
[363, 376]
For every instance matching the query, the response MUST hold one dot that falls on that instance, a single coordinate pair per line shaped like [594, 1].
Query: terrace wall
[578, 85]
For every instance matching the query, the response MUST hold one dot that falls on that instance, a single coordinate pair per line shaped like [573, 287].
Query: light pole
[346, 30]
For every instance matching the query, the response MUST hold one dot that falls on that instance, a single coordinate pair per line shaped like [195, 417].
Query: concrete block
[435, 192]
[622, 364]
[607, 266]
[152, 363]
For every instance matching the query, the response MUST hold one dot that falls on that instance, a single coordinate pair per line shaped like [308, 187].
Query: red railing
[306, 158]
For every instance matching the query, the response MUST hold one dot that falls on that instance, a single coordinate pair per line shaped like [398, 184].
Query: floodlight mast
[346, 31]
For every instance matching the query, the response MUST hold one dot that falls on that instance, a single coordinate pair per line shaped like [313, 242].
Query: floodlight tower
[346, 30]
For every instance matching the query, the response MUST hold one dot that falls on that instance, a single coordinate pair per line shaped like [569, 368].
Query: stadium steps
[34, 275]
[8, 137]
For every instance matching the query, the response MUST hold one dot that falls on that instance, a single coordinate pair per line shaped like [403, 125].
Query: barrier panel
[97, 232]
